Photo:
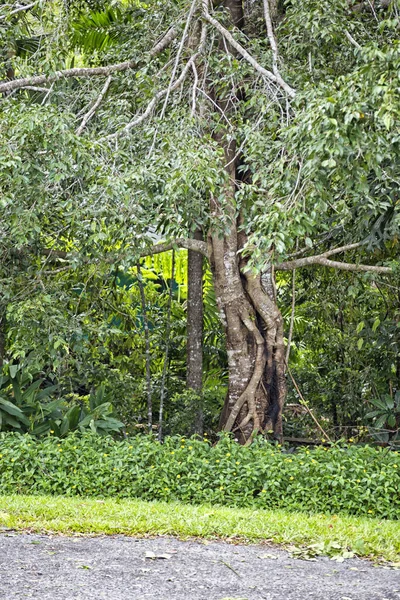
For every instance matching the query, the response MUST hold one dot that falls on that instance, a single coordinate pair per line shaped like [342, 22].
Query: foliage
[24, 405]
[317, 172]
[94, 335]
[186, 404]
[343, 479]
[387, 411]
[27, 404]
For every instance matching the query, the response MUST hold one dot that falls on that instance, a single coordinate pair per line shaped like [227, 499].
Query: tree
[284, 166]
[194, 376]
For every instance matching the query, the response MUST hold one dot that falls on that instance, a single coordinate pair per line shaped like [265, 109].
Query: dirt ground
[123, 568]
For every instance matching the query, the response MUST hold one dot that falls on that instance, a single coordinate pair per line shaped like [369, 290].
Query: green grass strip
[366, 536]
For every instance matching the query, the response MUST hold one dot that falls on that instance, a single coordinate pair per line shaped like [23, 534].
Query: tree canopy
[270, 128]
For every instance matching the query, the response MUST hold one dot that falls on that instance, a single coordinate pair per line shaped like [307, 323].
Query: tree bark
[254, 342]
[194, 374]
[251, 318]
[147, 350]
[2, 336]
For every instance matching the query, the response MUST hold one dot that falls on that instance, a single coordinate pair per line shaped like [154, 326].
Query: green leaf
[28, 394]
[11, 409]
[376, 324]
[11, 421]
[360, 326]
[13, 370]
[379, 423]
[378, 403]
[47, 391]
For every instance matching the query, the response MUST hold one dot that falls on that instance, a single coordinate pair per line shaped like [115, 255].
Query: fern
[97, 30]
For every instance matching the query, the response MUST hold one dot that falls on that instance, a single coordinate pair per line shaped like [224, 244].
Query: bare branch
[271, 36]
[164, 42]
[368, 6]
[218, 108]
[174, 69]
[95, 106]
[178, 55]
[277, 79]
[352, 40]
[323, 260]
[194, 90]
[341, 249]
[320, 239]
[15, 84]
[186, 243]
[19, 9]
[34, 88]
[152, 104]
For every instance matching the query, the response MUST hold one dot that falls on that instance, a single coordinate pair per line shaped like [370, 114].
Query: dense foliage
[344, 478]
[77, 207]
[26, 405]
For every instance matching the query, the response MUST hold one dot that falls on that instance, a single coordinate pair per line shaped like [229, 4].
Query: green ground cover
[332, 534]
[353, 480]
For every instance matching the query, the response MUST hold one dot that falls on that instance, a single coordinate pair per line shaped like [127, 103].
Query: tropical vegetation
[200, 218]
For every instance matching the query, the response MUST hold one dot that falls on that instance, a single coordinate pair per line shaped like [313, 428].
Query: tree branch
[352, 40]
[341, 249]
[277, 79]
[304, 403]
[366, 5]
[194, 90]
[323, 260]
[186, 243]
[174, 69]
[164, 42]
[178, 55]
[95, 106]
[291, 326]
[33, 88]
[202, 247]
[152, 104]
[15, 84]
[19, 9]
[271, 37]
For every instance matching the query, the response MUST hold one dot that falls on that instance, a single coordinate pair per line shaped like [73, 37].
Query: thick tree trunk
[254, 343]
[248, 310]
[194, 360]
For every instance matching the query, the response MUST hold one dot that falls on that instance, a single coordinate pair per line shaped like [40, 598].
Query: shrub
[357, 480]
[26, 405]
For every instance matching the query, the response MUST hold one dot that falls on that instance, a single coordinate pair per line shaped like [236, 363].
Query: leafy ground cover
[354, 480]
[306, 535]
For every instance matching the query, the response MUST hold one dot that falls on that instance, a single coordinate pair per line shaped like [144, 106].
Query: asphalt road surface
[122, 568]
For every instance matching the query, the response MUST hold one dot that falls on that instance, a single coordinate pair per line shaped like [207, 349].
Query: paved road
[116, 568]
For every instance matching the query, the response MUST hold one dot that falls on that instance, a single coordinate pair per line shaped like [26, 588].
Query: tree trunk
[147, 351]
[254, 342]
[249, 313]
[2, 336]
[194, 374]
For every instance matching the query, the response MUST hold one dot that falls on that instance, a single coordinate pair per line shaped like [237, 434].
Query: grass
[366, 536]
